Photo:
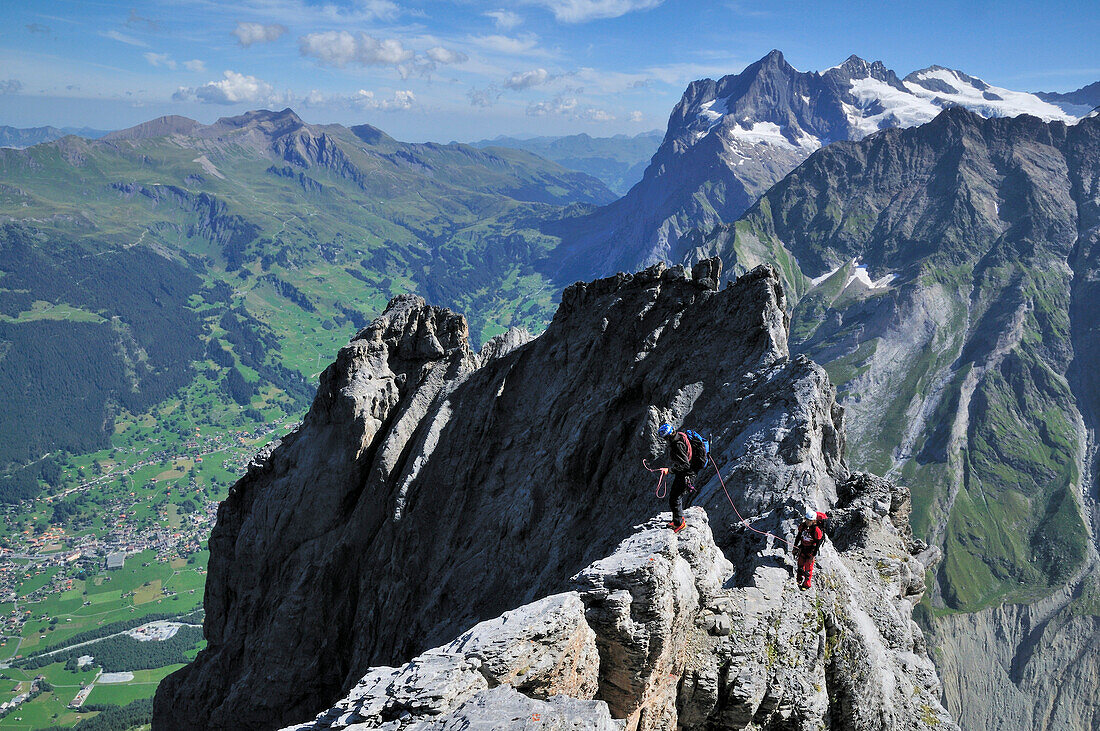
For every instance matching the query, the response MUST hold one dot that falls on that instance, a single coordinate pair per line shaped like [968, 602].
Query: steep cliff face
[945, 276]
[431, 487]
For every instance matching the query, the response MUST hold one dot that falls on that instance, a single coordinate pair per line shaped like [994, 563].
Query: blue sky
[464, 70]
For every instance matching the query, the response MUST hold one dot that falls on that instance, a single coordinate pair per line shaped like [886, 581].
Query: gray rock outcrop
[431, 488]
[660, 634]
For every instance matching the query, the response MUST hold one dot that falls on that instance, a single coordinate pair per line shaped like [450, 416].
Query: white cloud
[580, 11]
[235, 88]
[378, 9]
[11, 86]
[361, 99]
[561, 104]
[160, 59]
[593, 114]
[507, 44]
[195, 65]
[439, 54]
[566, 105]
[637, 116]
[504, 19]
[400, 100]
[249, 33]
[339, 48]
[527, 79]
[114, 35]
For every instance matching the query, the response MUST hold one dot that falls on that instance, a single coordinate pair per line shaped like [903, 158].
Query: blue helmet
[811, 514]
[665, 430]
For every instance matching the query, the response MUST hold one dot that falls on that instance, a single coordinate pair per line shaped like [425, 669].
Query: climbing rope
[660, 481]
[743, 521]
[661, 484]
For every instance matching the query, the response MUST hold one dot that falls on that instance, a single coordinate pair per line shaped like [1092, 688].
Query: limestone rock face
[431, 489]
[680, 645]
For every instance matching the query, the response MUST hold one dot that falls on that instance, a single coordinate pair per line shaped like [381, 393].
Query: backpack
[698, 450]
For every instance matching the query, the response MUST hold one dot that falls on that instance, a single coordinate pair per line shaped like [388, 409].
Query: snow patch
[708, 117]
[770, 133]
[990, 101]
[880, 105]
[818, 280]
[860, 274]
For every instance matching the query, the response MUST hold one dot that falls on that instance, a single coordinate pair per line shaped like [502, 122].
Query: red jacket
[809, 537]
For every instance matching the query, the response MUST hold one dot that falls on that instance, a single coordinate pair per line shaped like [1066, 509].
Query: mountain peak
[373, 135]
[159, 127]
[281, 119]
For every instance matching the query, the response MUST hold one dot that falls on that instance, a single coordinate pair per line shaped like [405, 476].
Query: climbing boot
[677, 528]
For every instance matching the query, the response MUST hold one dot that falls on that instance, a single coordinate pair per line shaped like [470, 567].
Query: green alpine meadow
[227, 261]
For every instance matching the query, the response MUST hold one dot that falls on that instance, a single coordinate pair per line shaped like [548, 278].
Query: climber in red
[807, 541]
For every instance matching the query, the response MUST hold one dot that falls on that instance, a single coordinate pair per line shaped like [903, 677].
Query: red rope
[660, 481]
[743, 521]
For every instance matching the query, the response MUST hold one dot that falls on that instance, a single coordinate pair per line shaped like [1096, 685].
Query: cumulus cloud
[362, 99]
[637, 116]
[339, 48]
[160, 59]
[526, 79]
[424, 65]
[195, 65]
[11, 86]
[507, 44]
[593, 114]
[504, 19]
[39, 28]
[235, 88]
[566, 105]
[561, 104]
[439, 54]
[249, 33]
[580, 11]
[401, 100]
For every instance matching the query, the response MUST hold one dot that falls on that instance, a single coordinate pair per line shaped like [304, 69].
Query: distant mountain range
[618, 161]
[730, 140]
[19, 138]
[1080, 102]
[215, 260]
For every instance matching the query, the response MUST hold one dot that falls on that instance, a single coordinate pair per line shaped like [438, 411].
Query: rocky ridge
[658, 635]
[425, 469]
[946, 275]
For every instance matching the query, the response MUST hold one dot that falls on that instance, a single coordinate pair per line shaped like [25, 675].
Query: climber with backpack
[807, 542]
[688, 453]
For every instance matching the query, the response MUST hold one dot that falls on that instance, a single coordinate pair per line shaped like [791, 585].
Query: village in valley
[102, 575]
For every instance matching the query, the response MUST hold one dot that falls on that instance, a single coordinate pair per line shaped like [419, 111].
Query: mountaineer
[807, 541]
[688, 452]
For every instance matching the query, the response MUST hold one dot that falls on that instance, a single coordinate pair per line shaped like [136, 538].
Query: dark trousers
[681, 484]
